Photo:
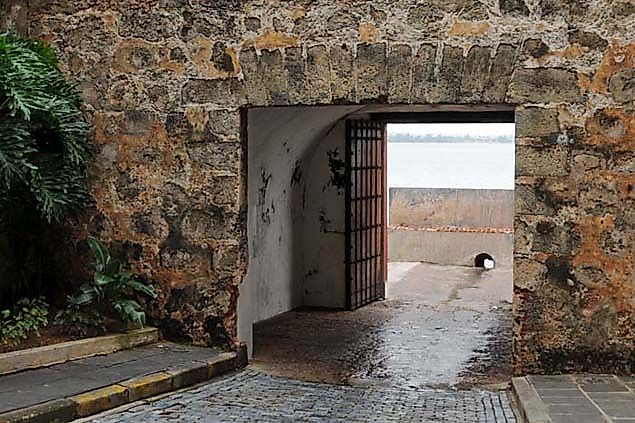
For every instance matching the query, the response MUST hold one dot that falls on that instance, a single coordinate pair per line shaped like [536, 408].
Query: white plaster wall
[324, 223]
[279, 141]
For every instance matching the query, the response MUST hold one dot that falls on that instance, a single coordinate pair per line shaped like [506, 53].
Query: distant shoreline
[443, 139]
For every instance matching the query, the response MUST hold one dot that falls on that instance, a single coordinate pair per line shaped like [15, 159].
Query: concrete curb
[115, 395]
[48, 355]
[532, 409]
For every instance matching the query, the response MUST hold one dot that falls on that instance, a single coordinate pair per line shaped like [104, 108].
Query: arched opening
[319, 237]
[479, 260]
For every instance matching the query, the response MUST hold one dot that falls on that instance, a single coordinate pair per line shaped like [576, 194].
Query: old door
[365, 212]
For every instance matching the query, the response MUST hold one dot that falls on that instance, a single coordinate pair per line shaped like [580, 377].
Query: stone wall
[461, 208]
[165, 81]
[450, 226]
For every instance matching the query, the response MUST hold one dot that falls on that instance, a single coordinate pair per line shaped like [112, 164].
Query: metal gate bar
[365, 212]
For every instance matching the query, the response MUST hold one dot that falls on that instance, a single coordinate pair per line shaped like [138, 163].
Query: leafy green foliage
[28, 315]
[44, 151]
[43, 136]
[81, 322]
[113, 288]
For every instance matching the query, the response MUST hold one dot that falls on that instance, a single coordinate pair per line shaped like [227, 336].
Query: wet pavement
[251, 396]
[438, 350]
[441, 326]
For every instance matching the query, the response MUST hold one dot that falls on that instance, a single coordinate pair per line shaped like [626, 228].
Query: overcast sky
[474, 129]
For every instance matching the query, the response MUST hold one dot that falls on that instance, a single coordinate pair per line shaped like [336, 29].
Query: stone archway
[166, 85]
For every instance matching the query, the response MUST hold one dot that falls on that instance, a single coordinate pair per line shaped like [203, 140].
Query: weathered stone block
[209, 223]
[421, 16]
[135, 56]
[222, 159]
[423, 73]
[271, 69]
[156, 25]
[254, 86]
[399, 73]
[228, 92]
[535, 48]
[215, 21]
[535, 122]
[522, 234]
[125, 92]
[500, 74]
[475, 74]
[342, 85]
[528, 201]
[295, 75]
[529, 274]
[225, 190]
[221, 59]
[585, 162]
[552, 237]
[570, 8]
[623, 8]
[547, 161]
[588, 39]
[227, 259]
[224, 125]
[318, 74]
[514, 7]
[448, 84]
[370, 72]
[14, 17]
[622, 85]
[544, 85]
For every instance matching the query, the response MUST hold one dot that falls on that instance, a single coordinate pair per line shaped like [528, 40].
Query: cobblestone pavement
[436, 351]
[251, 396]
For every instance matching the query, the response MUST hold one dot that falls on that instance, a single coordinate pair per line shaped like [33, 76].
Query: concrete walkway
[441, 326]
[581, 398]
[86, 386]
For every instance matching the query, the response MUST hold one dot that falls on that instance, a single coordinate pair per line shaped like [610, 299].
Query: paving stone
[251, 396]
[552, 382]
[570, 418]
[595, 398]
[561, 393]
[585, 409]
[601, 383]
[619, 409]
[611, 396]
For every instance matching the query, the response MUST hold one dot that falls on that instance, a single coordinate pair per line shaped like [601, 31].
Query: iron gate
[365, 212]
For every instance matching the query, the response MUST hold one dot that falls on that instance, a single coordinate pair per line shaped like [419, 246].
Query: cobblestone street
[251, 396]
[437, 350]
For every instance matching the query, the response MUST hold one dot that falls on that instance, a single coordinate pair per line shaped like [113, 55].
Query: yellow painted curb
[222, 364]
[96, 401]
[100, 399]
[147, 386]
[188, 376]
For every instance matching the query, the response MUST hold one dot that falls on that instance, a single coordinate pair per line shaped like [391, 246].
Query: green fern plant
[43, 136]
[44, 151]
[112, 288]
